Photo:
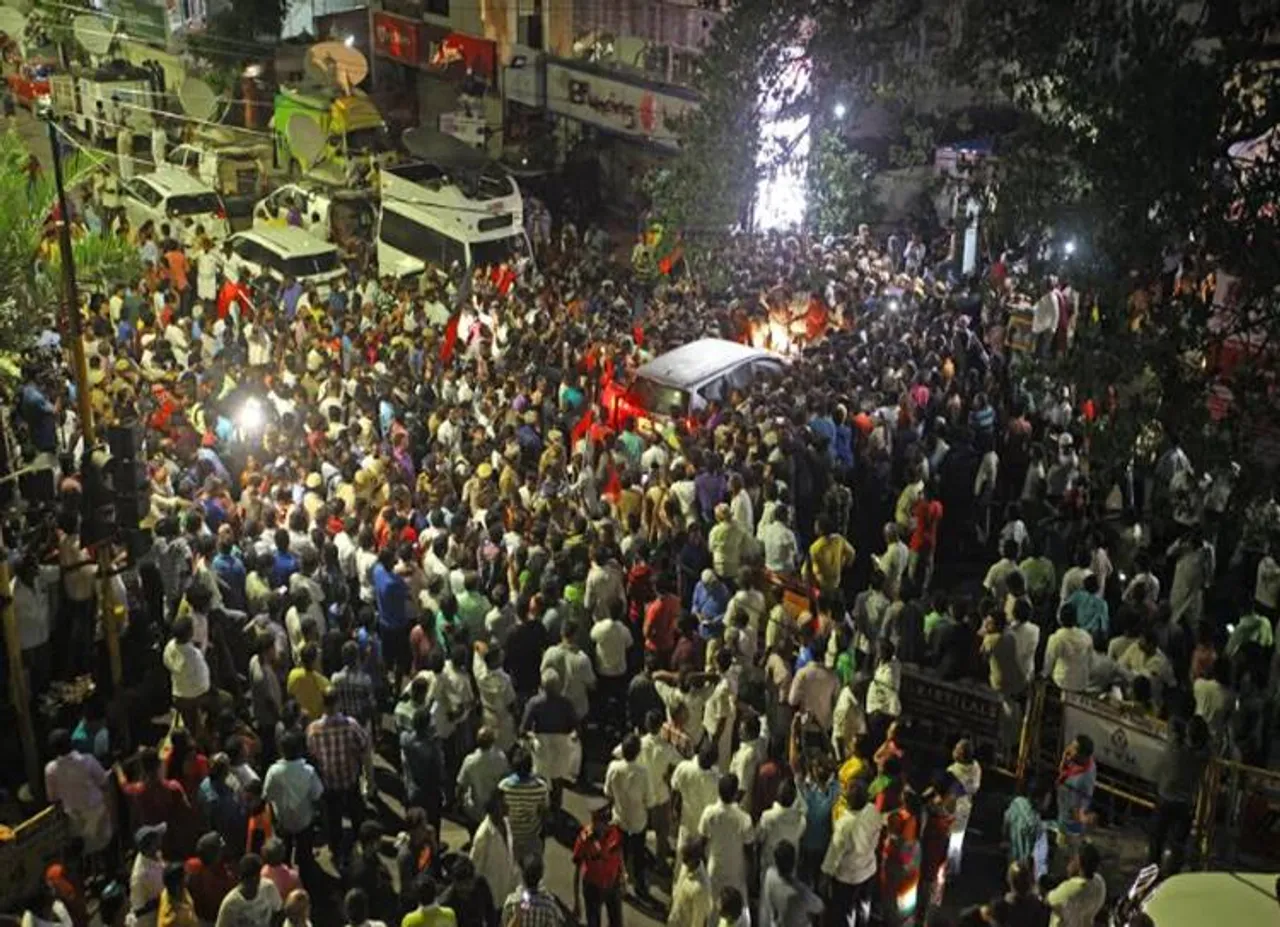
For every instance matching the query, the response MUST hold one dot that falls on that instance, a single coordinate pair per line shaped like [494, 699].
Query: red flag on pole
[450, 339]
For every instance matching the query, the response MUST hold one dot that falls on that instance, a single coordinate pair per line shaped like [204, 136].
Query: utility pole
[75, 332]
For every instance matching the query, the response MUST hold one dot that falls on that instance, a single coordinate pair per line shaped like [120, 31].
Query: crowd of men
[401, 550]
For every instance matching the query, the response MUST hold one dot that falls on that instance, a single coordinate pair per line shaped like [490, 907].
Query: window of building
[436, 7]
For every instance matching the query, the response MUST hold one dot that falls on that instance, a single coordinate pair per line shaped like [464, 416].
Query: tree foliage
[31, 289]
[242, 32]
[1129, 111]
[841, 192]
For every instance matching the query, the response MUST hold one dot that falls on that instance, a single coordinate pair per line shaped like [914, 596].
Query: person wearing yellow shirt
[306, 684]
[829, 556]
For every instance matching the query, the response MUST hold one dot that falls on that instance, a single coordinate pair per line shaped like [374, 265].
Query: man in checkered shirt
[339, 744]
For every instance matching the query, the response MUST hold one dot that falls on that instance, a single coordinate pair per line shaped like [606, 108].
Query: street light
[1069, 248]
[349, 41]
[840, 110]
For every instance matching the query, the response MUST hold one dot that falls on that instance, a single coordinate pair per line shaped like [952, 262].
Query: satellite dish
[306, 140]
[335, 64]
[94, 33]
[197, 99]
[13, 22]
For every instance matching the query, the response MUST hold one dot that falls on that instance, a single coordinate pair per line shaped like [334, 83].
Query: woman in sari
[886, 789]
[1077, 777]
[940, 802]
[900, 863]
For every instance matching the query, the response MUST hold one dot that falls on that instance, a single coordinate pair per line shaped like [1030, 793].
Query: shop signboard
[637, 110]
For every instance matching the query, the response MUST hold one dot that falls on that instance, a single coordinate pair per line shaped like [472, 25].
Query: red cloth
[613, 485]
[637, 334]
[450, 339]
[599, 858]
[583, 427]
[233, 291]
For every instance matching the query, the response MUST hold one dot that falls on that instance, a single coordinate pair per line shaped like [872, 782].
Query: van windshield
[193, 204]
[658, 399]
[310, 265]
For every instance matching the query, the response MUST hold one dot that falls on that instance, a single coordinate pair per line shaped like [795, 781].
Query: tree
[239, 34]
[1129, 109]
[31, 288]
[841, 192]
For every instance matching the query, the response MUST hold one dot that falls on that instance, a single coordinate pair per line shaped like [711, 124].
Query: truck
[100, 102]
[350, 125]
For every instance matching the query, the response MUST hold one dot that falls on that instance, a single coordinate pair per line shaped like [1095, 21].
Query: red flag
[637, 333]
[583, 426]
[450, 339]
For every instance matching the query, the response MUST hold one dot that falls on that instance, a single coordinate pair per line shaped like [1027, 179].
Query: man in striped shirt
[528, 799]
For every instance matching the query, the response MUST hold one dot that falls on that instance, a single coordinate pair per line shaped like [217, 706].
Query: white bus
[432, 216]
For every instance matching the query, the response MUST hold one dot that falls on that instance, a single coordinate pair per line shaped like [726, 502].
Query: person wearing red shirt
[156, 800]
[660, 626]
[209, 877]
[927, 515]
[598, 877]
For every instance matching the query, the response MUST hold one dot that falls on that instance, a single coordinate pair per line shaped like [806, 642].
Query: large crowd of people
[406, 568]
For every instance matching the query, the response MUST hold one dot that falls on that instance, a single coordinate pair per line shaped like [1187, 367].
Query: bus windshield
[498, 251]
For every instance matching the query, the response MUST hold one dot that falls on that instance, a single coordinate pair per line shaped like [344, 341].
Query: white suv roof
[287, 240]
[171, 181]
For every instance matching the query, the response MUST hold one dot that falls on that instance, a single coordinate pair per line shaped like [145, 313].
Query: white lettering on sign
[617, 105]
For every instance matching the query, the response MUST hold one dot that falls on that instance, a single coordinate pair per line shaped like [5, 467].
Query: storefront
[437, 72]
[629, 125]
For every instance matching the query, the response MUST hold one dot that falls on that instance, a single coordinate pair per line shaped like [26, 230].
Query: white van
[277, 253]
[171, 196]
[427, 218]
[682, 382]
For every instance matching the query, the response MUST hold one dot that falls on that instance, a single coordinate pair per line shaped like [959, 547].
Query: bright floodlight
[893, 305]
[840, 110]
[781, 194]
[1069, 248]
[251, 418]
[349, 41]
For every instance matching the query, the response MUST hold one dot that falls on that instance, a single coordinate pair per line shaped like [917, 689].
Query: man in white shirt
[613, 640]
[850, 860]
[658, 757]
[728, 544]
[893, 562]
[1078, 899]
[740, 505]
[997, 579]
[784, 821]
[693, 786]
[626, 786]
[605, 588]
[781, 550]
[1026, 637]
[188, 674]
[727, 830]
[1266, 588]
[848, 721]
[1068, 653]
[254, 902]
[78, 783]
[1145, 658]
[479, 775]
[1044, 321]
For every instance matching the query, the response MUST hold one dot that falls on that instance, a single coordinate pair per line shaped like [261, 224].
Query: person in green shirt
[1038, 572]
[428, 913]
